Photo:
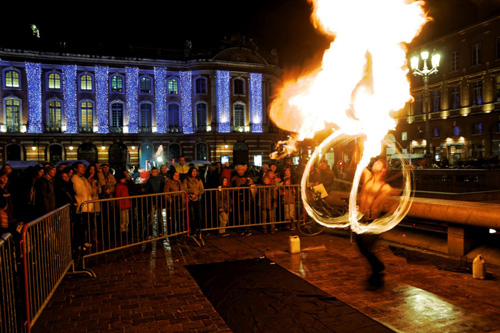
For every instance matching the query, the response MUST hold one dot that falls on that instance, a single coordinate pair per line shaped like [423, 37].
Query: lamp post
[425, 73]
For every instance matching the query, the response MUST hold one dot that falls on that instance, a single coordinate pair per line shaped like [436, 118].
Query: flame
[362, 78]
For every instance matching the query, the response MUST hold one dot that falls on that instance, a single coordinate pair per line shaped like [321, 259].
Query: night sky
[281, 24]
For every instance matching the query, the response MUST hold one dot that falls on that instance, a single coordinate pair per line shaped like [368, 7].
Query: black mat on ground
[257, 295]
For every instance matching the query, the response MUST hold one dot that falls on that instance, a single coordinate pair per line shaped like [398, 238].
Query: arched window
[14, 152]
[12, 107]
[116, 84]
[145, 117]
[54, 81]
[457, 131]
[87, 151]
[238, 86]
[239, 116]
[145, 85]
[174, 151]
[86, 116]
[173, 87]
[200, 85]
[11, 78]
[54, 115]
[118, 156]
[201, 151]
[173, 117]
[86, 82]
[240, 152]
[55, 153]
[116, 114]
[201, 116]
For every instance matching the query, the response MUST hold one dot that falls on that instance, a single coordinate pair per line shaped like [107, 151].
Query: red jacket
[121, 190]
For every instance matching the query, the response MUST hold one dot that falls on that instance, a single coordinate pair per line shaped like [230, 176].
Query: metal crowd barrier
[47, 257]
[247, 207]
[9, 321]
[117, 223]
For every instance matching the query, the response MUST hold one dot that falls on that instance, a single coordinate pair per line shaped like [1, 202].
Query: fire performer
[374, 193]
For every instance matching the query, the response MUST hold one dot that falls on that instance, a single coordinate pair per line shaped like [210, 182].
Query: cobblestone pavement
[147, 289]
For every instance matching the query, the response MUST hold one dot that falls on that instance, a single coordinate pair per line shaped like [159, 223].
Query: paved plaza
[147, 289]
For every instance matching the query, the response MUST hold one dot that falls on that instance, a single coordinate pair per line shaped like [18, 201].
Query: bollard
[294, 242]
[478, 268]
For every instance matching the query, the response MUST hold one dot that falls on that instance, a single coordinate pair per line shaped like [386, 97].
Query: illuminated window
[477, 93]
[13, 114]
[85, 82]
[116, 116]
[404, 136]
[145, 84]
[455, 97]
[477, 128]
[239, 115]
[201, 85]
[456, 131]
[86, 116]
[116, 83]
[238, 87]
[173, 87]
[436, 101]
[54, 115]
[435, 132]
[201, 151]
[11, 78]
[54, 81]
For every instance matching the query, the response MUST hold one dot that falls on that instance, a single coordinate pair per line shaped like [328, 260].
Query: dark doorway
[14, 152]
[118, 156]
[88, 152]
[55, 153]
[240, 153]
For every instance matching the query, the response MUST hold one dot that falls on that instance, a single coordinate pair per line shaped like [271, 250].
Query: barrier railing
[9, 320]
[46, 254]
[106, 225]
[245, 207]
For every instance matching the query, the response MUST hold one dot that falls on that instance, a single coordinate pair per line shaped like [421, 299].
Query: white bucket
[294, 242]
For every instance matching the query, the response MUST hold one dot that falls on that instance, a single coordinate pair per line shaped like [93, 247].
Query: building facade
[463, 98]
[128, 111]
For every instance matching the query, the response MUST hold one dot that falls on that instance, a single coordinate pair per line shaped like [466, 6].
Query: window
[55, 116]
[455, 97]
[238, 87]
[498, 48]
[116, 83]
[201, 115]
[174, 151]
[54, 81]
[435, 132]
[86, 116]
[173, 86]
[454, 61]
[476, 54]
[436, 101]
[13, 114]
[173, 116]
[417, 105]
[404, 136]
[145, 85]
[86, 82]
[239, 116]
[201, 151]
[477, 93]
[117, 116]
[145, 116]
[477, 128]
[456, 131]
[201, 85]
[11, 78]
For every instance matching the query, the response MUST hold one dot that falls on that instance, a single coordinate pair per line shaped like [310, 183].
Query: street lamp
[425, 73]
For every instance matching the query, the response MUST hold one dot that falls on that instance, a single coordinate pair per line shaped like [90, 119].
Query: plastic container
[294, 242]
[478, 268]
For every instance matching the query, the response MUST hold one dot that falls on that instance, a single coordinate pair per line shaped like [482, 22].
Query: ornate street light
[425, 73]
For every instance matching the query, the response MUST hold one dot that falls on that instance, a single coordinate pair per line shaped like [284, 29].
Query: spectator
[83, 193]
[65, 194]
[326, 176]
[155, 185]
[32, 176]
[91, 174]
[288, 194]
[175, 203]
[182, 168]
[241, 199]
[45, 197]
[107, 182]
[227, 171]
[124, 205]
[164, 172]
[6, 208]
[224, 204]
[268, 204]
[194, 188]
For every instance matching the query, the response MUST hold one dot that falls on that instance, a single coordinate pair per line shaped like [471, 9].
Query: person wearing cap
[107, 182]
[45, 201]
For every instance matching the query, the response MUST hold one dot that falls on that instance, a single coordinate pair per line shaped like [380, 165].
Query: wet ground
[147, 289]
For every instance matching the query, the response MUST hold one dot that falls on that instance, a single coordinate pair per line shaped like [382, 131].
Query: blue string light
[223, 102]
[132, 91]
[34, 80]
[69, 94]
[102, 97]
[161, 99]
[256, 102]
[186, 103]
